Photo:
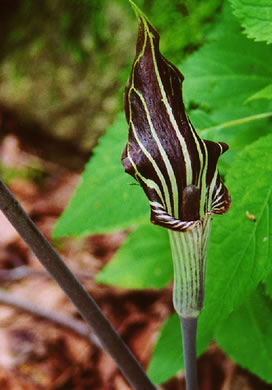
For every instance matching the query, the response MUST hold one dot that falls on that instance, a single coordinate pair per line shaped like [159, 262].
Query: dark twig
[25, 271]
[18, 273]
[74, 290]
[64, 321]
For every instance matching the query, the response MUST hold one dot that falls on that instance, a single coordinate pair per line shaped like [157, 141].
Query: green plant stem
[237, 122]
[189, 327]
[87, 307]
[189, 251]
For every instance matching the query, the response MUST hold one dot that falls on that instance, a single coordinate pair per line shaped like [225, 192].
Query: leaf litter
[37, 354]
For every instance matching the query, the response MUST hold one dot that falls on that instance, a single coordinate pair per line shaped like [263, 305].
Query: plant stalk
[189, 328]
[74, 290]
[189, 252]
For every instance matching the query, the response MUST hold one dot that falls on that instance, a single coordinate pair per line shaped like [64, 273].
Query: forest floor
[38, 351]
[53, 106]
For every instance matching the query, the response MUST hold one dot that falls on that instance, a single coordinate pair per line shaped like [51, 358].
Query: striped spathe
[164, 153]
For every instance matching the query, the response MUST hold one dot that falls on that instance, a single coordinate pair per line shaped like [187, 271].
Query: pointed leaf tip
[139, 14]
[137, 10]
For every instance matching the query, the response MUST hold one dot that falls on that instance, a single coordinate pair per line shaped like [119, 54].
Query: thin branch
[74, 290]
[18, 273]
[25, 271]
[58, 319]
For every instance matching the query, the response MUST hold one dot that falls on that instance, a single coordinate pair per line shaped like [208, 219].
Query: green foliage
[219, 79]
[26, 22]
[105, 193]
[250, 324]
[186, 20]
[267, 282]
[240, 249]
[264, 93]
[167, 360]
[226, 71]
[239, 258]
[34, 173]
[256, 18]
[227, 90]
[141, 263]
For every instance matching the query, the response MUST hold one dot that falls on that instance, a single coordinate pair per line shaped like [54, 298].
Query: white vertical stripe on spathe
[165, 159]
[156, 168]
[189, 250]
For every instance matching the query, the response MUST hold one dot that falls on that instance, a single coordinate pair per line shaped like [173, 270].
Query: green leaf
[226, 71]
[104, 201]
[264, 93]
[167, 358]
[143, 261]
[256, 18]
[237, 134]
[219, 78]
[241, 247]
[201, 119]
[267, 282]
[177, 30]
[246, 335]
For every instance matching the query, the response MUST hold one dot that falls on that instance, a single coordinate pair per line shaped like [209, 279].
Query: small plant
[177, 171]
[227, 93]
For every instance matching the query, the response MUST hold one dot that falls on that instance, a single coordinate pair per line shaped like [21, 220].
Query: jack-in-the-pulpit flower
[175, 167]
